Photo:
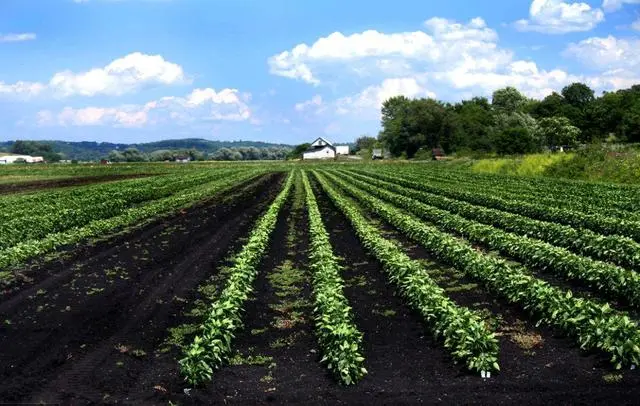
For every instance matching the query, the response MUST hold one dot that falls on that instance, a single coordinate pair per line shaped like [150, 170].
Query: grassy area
[593, 164]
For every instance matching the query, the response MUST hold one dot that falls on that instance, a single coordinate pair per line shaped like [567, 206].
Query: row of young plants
[339, 338]
[594, 205]
[595, 326]
[61, 213]
[212, 346]
[607, 278]
[462, 331]
[608, 194]
[619, 250]
[595, 222]
[20, 253]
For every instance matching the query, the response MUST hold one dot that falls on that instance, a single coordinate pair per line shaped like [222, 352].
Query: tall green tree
[508, 100]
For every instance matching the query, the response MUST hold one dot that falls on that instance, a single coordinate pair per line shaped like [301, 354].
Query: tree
[395, 132]
[551, 106]
[297, 152]
[578, 95]
[558, 131]
[35, 148]
[508, 100]
[514, 140]
[365, 142]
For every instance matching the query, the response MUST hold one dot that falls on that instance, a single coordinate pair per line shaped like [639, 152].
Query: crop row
[595, 326]
[68, 211]
[593, 205]
[598, 223]
[623, 197]
[610, 279]
[464, 333]
[619, 250]
[338, 336]
[28, 249]
[211, 348]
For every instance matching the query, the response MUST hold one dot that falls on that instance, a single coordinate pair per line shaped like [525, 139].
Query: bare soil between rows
[88, 331]
[64, 338]
[29, 186]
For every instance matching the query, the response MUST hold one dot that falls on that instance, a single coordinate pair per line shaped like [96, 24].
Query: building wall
[342, 149]
[325, 153]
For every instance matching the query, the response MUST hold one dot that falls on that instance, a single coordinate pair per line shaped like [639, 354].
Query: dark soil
[28, 186]
[91, 329]
[86, 332]
[554, 369]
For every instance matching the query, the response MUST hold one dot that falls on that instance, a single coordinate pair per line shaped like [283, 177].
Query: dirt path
[86, 335]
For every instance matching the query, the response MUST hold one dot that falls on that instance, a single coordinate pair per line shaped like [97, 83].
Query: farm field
[323, 283]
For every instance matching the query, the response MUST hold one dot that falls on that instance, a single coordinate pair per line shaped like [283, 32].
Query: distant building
[342, 150]
[183, 159]
[323, 149]
[11, 159]
[377, 154]
[437, 154]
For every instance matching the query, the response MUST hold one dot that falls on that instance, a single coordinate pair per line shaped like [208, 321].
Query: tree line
[133, 154]
[510, 123]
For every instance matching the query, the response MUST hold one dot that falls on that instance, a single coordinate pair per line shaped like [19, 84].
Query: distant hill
[91, 151]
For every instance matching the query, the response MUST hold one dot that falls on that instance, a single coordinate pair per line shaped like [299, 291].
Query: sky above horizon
[288, 71]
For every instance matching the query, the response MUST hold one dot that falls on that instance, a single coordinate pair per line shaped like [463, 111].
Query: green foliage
[339, 338]
[595, 326]
[558, 131]
[612, 280]
[297, 152]
[35, 148]
[464, 333]
[212, 347]
[508, 100]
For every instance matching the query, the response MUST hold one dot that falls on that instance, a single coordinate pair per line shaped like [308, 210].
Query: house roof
[323, 139]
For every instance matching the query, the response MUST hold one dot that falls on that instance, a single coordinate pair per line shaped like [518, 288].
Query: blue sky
[288, 71]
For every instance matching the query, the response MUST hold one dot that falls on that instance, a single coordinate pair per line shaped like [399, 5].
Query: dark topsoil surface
[84, 331]
[71, 342]
[28, 186]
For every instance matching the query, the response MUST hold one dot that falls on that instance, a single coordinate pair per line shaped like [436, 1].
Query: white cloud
[450, 58]
[199, 105]
[371, 99]
[559, 17]
[614, 5]
[448, 43]
[22, 89]
[607, 52]
[28, 36]
[123, 75]
[314, 101]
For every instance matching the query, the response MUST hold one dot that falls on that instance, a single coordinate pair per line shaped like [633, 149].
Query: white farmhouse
[323, 149]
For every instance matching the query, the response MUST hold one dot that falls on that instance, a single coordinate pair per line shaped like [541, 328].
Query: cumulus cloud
[614, 5]
[199, 105]
[28, 36]
[124, 75]
[607, 52]
[560, 17]
[121, 76]
[445, 43]
[371, 98]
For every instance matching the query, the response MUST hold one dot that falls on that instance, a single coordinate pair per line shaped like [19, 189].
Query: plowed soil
[89, 331]
[84, 333]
